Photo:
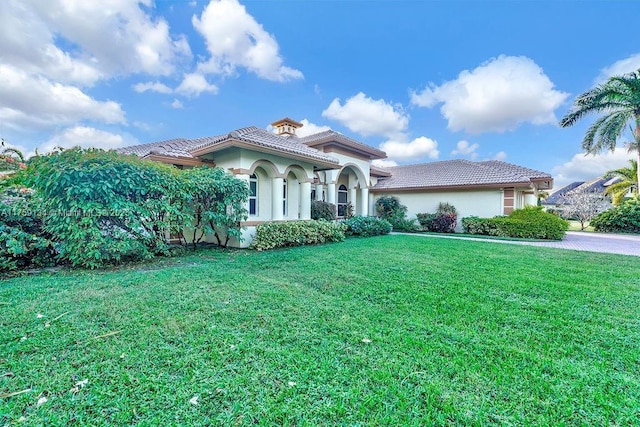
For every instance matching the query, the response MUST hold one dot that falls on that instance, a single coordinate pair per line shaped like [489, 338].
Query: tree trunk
[637, 147]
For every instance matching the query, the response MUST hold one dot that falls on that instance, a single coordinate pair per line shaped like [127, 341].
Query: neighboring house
[561, 197]
[285, 172]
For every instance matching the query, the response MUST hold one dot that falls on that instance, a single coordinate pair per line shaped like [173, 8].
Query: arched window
[253, 194]
[284, 197]
[342, 200]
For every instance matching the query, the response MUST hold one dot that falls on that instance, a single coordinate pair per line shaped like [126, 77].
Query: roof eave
[262, 149]
[453, 187]
[370, 152]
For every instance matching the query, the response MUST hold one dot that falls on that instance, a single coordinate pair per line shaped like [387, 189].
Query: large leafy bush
[101, 207]
[530, 222]
[23, 243]
[279, 234]
[389, 208]
[367, 226]
[216, 204]
[323, 210]
[624, 218]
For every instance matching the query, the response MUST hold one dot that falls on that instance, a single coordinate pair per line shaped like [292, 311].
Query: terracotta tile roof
[457, 173]
[251, 135]
[331, 135]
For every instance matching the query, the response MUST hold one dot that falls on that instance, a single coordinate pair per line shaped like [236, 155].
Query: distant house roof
[330, 136]
[459, 173]
[595, 185]
[251, 137]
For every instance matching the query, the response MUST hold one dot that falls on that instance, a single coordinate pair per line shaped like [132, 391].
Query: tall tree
[628, 180]
[619, 100]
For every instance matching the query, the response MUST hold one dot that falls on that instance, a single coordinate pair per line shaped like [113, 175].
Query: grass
[393, 330]
[575, 226]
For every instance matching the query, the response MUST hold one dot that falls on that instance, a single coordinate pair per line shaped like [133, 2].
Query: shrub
[443, 221]
[215, 204]
[530, 222]
[23, 243]
[280, 234]
[476, 225]
[366, 226]
[323, 210]
[624, 218]
[405, 225]
[425, 220]
[102, 207]
[389, 208]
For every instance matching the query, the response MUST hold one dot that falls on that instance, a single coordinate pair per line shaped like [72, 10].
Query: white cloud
[618, 68]
[176, 104]
[309, 128]
[463, 148]
[383, 163]
[497, 96]
[137, 42]
[500, 155]
[28, 101]
[368, 116]
[194, 84]
[583, 167]
[235, 39]
[418, 148]
[83, 136]
[153, 87]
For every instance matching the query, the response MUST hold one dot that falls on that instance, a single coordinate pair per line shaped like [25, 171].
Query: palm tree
[628, 181]
[619, 99]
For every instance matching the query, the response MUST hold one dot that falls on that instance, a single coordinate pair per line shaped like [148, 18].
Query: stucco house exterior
[285, 172]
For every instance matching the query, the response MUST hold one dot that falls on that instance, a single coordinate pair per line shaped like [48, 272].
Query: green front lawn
[392, 330]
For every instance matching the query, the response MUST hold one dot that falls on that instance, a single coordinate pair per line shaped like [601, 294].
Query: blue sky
[422, 80]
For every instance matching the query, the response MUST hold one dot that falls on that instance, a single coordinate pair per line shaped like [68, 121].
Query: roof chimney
[286, 126]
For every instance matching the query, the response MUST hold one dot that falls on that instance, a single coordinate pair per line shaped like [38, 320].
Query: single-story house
[285, 172]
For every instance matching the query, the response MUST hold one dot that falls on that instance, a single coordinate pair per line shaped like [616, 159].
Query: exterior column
[276, 199]
[364, 202]
[353, 199]
[331, 192]
[305, 200]
[318, 191]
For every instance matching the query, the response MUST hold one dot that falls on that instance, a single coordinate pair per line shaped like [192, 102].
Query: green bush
[366, 226]
[624, 218]
[443, 221]
[530, 222]
[102, 208]
[476, 225]
[389, 208]
[425, 220]
[215, 204]
[23, 242]
[280, 234]
[323, 210]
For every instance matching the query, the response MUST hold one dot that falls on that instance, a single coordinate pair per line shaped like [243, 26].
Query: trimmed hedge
[367, 226]
[271, 235]
[624, 218]
[323, 210]
[528, 223]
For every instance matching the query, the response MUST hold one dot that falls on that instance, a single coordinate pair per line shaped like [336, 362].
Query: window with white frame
[284, 197]
[342, 200]
[253, 194]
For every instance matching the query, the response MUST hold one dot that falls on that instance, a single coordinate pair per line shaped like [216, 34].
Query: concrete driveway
[623, 244]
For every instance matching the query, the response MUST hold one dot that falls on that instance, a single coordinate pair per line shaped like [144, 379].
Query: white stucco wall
[482, 203]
